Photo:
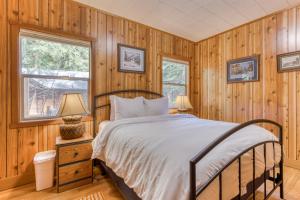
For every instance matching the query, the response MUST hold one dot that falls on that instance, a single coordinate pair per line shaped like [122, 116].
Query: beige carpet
[94, 196]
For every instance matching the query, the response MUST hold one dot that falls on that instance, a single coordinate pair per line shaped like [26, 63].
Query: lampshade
[71, 104]
[183, 103]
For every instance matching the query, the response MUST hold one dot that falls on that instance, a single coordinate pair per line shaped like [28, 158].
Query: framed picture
[288, 61]
[131, 59]
[243, 69]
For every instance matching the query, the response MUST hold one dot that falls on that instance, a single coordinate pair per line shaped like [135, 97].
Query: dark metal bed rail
[277, 181]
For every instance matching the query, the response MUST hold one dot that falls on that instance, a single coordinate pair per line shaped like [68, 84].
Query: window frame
[181, 60]
[17, 77]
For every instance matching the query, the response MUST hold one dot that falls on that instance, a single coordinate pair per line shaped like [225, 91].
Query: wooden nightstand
[74, 166]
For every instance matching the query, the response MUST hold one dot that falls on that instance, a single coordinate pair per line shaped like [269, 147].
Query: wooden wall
[276, 96]
[18, 146]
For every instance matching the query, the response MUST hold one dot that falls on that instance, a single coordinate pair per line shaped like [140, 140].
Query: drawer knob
[75, 154]
[77, 172]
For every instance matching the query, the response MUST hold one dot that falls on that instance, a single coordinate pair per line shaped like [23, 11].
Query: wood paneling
[3, 86]
[276, 96]
[113, 30]
[56, 14]
[18, 146]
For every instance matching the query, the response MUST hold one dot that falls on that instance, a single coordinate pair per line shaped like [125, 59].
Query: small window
[51, 66]
[175, 79]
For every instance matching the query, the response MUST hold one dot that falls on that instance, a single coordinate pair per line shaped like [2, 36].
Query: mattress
[152, 154]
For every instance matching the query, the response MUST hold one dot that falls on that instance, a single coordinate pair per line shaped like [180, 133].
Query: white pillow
[158, 106]
[112, 107]
[128, 108]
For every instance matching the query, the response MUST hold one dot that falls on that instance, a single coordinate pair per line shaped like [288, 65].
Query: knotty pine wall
[18, 146]
[276, 96]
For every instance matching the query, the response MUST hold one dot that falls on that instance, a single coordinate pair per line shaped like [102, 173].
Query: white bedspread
[152, 154]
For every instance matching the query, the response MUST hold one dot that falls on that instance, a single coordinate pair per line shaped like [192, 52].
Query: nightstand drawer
[75, 172]
[74, 153]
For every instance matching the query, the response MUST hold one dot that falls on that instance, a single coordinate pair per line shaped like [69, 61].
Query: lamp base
[72, 131]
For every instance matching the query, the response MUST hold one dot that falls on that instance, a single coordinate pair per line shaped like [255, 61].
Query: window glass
[174, 72]
[175, 75]
[49, 69]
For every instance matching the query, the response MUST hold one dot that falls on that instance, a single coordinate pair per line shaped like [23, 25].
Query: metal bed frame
[276, 179]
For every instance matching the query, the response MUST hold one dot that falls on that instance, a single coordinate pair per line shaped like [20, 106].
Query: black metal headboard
[96, 97]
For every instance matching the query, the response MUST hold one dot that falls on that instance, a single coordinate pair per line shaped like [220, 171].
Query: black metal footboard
[277, 179]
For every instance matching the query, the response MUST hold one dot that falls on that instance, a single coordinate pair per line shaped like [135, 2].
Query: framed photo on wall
[243, 69]
[131, 59]
[288, 61]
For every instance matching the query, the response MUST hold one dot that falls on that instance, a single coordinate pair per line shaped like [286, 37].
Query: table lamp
[183, 103]
[71, 110]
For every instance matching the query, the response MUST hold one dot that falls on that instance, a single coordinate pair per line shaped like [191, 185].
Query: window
[51, 66]
[175, 79]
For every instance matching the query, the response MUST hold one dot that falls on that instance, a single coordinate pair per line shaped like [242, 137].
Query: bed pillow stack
[122, 108]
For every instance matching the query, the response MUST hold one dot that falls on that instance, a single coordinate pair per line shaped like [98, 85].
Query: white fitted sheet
[152, 154]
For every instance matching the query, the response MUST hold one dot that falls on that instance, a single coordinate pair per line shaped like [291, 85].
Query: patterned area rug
[94, 196]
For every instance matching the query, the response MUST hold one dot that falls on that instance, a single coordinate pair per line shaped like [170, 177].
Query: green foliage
[174, 72]
[49, 55]
[174, 79]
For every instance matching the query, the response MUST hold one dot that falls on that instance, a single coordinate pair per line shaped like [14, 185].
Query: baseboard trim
[12, 182]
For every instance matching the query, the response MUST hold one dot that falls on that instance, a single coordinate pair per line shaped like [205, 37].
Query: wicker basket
[75, 119]
[72, 131]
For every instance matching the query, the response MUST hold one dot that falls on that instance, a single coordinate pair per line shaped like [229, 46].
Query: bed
[183, 157]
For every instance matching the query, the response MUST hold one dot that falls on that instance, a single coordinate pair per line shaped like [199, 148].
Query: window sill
[46, 122]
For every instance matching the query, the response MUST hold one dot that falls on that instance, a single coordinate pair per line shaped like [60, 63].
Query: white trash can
[44, 169]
